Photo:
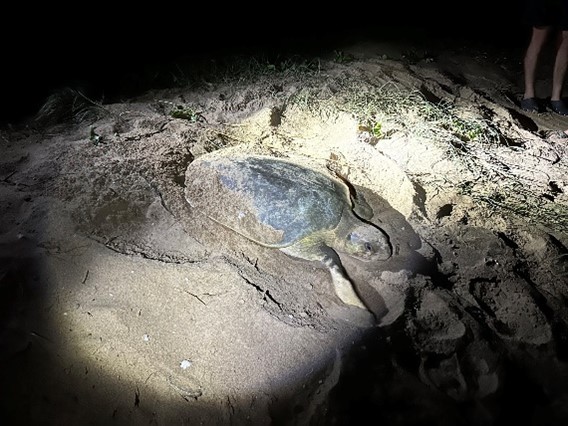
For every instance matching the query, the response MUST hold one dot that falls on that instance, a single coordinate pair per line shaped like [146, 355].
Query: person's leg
[530, 62]
[560, 63]
[560, 66]
[559, 74]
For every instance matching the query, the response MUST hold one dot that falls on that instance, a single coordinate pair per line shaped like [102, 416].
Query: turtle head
[366, 242]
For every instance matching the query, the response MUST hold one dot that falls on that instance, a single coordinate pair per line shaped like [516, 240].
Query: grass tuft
[69, 104]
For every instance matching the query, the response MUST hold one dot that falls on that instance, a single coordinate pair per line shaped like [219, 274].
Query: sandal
[530, 105]
[559, 107]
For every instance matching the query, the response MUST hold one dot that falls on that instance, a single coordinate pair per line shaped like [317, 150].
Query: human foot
[530, 105]
[559, 107]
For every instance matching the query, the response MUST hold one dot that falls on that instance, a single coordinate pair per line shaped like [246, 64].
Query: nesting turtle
[277, 203]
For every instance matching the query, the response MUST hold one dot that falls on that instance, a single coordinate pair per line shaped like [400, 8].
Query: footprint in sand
[513, 314]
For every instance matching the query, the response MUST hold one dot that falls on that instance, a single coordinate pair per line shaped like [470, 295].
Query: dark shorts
[546, 13]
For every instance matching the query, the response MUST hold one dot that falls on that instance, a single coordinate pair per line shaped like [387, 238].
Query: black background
[94, 46]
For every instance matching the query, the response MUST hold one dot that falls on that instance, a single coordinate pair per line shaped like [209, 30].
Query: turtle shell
[268, 200]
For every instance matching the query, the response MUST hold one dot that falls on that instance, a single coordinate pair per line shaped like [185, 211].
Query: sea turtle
[280, 204]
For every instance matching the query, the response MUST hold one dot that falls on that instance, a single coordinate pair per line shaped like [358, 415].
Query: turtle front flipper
[343, 286]
[341, 283]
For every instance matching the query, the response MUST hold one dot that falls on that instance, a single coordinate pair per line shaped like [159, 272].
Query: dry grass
[389, 110]
[69, 104]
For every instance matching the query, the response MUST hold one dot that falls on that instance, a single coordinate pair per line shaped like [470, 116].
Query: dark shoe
[530, 105]
[559, 107]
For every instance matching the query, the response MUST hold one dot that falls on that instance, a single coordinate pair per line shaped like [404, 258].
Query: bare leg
[560, 66]
[530, 62]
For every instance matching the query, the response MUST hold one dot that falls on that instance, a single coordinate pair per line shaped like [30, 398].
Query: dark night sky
[96, 49]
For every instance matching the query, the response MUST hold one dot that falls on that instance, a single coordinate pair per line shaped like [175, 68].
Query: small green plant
[374, 128]
[94, 137]
[343, 58]
[377, 130]
[464, 130]
[186, 113]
